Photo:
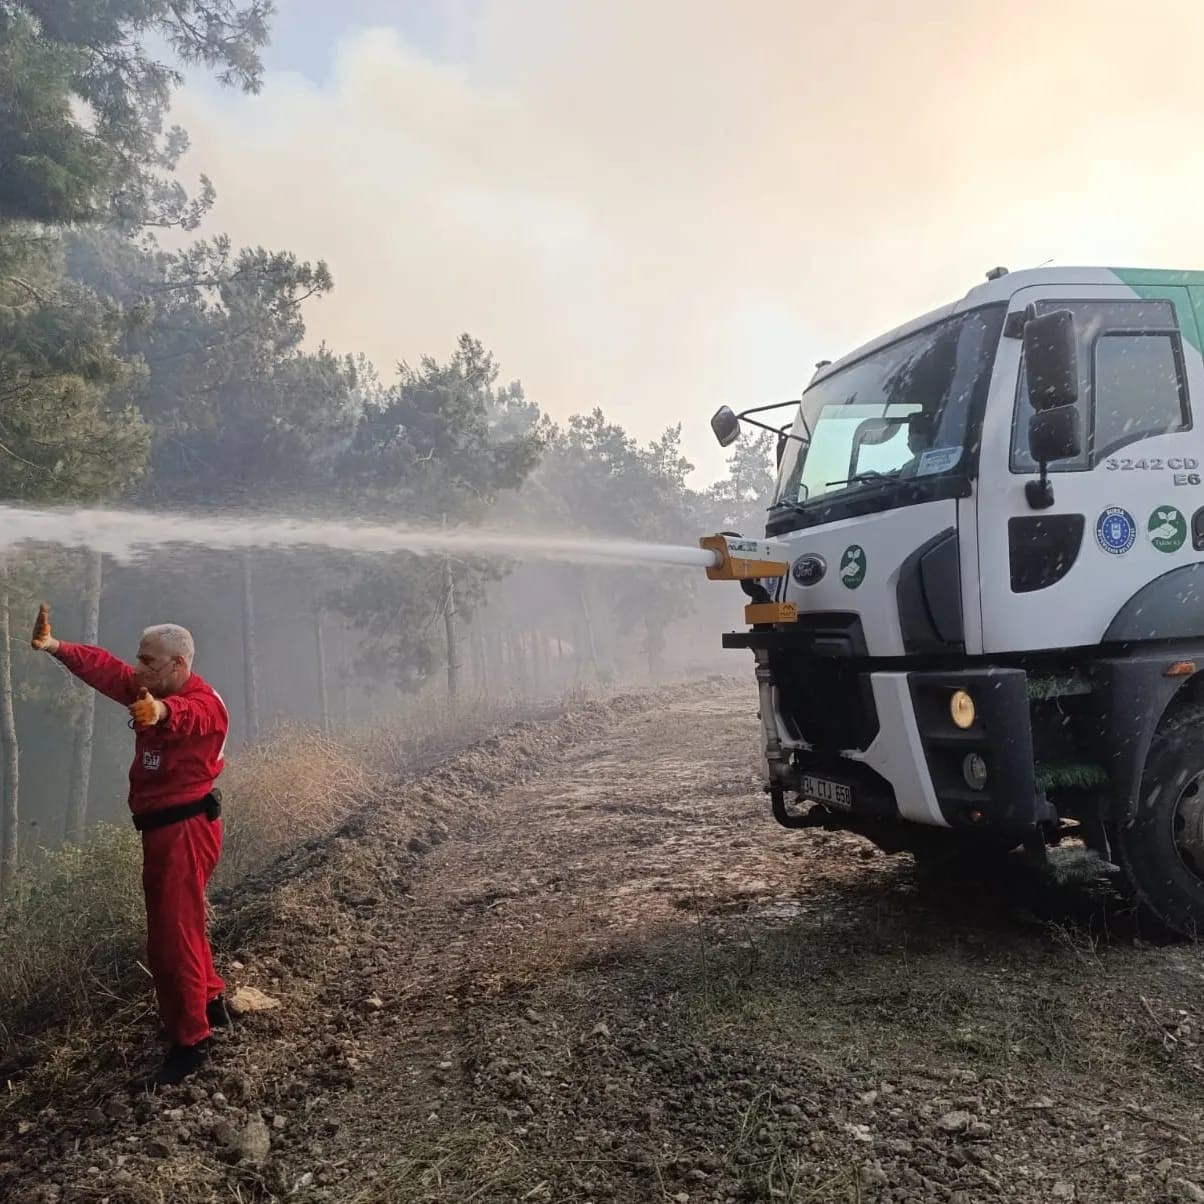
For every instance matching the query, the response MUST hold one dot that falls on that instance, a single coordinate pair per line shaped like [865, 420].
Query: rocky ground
[581, 963]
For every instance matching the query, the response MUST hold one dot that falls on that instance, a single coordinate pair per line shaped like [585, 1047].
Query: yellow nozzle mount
[739, 559]
[759, 613]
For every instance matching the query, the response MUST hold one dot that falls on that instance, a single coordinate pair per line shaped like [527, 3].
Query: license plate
[821, 790]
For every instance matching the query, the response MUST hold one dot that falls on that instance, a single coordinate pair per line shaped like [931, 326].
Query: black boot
[180, 1062]
[217, 1013]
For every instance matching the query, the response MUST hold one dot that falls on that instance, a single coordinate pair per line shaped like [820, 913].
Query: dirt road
[582, 963]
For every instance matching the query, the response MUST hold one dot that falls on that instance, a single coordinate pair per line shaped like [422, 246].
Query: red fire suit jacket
[177, 761]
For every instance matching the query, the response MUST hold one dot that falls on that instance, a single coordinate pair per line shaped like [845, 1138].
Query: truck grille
[825, 701]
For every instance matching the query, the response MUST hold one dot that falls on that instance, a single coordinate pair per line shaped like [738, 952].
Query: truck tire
[1161, 846]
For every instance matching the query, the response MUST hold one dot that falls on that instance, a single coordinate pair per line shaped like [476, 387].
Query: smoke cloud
[659, 208]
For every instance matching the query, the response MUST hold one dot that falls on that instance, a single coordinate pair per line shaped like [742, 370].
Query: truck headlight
[961, 710]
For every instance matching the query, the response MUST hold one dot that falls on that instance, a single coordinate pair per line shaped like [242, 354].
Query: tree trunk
[591, 646]
[345, 670]
[654, 648]
[81, 760]
[449, 624]
[481, 656]
[9, 752]
[535, 641]
[250, 670]
[580, 655]
[323, 692]
[495, 652]
[518, 662]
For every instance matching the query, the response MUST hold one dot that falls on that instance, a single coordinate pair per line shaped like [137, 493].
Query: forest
[148, 362]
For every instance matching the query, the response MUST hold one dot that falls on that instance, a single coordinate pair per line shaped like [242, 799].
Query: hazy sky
[658, 206]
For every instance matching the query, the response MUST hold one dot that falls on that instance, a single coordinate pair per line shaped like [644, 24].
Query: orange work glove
[147, 711]
[41, 629]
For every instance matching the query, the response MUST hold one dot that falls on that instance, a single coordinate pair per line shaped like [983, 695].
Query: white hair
[174, 640]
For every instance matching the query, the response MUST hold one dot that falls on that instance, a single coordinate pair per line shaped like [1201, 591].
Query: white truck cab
[987, 615]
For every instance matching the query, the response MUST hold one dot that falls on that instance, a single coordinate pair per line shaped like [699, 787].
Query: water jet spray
[129, 536]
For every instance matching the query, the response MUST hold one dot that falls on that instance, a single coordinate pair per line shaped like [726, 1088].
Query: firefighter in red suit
[180, 726]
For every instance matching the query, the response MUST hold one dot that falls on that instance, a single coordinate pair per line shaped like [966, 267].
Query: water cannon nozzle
[740, 559]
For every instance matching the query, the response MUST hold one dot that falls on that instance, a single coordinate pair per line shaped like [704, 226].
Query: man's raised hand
[42, 640]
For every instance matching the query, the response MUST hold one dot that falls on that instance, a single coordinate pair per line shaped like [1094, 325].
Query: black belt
[210, 805]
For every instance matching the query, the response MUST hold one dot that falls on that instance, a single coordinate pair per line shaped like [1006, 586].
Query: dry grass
[902, 1002]
[298, 785]
[436, 728]
[469, 1162]
[72, 934]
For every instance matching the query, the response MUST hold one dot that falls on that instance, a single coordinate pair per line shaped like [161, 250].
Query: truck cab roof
[1000, 288]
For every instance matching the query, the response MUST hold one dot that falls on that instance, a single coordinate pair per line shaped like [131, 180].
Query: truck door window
[1139, 389]
[1132, 382]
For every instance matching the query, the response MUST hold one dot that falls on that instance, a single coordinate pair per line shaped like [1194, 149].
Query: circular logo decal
[1168, 529]
[853, 566]
[809, 569]
[1115, 531]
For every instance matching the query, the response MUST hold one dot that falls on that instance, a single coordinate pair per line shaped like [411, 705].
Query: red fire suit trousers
[177, 861]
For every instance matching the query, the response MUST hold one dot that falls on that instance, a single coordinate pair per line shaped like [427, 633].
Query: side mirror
[1054, 434]
[779, 449]
[726, 426]
[1051, 360]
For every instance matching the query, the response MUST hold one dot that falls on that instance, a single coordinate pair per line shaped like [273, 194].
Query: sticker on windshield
[1115, 531]
[852, 566]
[1168, 529]
[938, 459]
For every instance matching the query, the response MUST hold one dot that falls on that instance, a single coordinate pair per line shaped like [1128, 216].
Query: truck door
[1123, 508]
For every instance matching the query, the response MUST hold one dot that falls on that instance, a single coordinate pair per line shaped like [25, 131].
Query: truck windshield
[908, 410]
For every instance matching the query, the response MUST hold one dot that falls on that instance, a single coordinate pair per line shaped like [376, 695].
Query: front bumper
[1001, 736]
[888, 737]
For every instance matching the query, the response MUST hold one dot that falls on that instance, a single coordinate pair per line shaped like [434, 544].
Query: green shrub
[72, 933]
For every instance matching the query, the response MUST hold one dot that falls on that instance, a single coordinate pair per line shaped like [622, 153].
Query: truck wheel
[1161, 848]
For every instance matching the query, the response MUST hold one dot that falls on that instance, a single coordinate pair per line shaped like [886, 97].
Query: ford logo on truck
[809, 569]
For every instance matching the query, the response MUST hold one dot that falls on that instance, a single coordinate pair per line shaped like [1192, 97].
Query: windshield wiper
[788, 504]
[864, 477]
[799, 504]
